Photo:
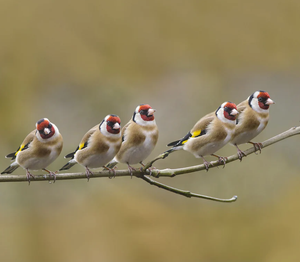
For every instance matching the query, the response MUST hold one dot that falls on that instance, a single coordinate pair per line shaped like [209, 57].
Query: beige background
[77, 61]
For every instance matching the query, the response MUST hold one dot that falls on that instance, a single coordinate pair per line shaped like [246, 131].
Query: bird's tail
[174, 143]
[11, 168]
[11, 155]
[112, 163]
[71, 163]
[70, 155]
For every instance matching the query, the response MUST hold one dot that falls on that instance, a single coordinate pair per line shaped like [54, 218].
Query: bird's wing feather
[242, 106]
[84, 141]
[25, 144]
[199, 129]
[124, 130]
[203, 123]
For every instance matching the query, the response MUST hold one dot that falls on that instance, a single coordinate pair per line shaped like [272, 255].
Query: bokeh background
[77, 61]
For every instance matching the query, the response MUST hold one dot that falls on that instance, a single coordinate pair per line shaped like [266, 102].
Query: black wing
[187, 137]
[14, 154]
[81, 146]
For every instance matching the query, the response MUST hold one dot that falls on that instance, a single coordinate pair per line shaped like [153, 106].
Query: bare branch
[184, 192]
[155, 172]
[142, 173]
[179, 171]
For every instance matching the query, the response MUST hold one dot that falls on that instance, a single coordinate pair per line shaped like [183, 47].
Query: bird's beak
[234, 112]
[116, 126]
[269, 101]
[47, 131]
[151, 112]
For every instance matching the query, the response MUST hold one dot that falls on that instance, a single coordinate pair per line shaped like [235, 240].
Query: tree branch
[156, 172]
[179, 171]
[184, 192]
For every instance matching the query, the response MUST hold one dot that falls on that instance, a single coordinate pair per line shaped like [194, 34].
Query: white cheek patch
[103, 130]
[141, 122]
[220, 115]
[256, 107]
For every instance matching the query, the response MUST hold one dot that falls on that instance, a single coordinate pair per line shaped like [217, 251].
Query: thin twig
[184, 192]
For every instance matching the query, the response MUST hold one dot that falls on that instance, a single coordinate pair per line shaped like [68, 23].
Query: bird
[98, 146]
[38, 150]
[139, 137]
[252, 119]
[209, 134]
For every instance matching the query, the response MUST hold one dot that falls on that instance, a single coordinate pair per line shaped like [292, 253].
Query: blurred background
[74, 62]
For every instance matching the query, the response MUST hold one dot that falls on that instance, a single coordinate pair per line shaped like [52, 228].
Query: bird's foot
[221, 159]
[241, 154]
[113, 170]
[206, 163]
[131, 169]
[257, 146]
[28, 175]
[51, 173]
[149, 168]
[88, 173]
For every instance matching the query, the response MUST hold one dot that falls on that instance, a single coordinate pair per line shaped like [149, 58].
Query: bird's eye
[260, 99]
[143, 112]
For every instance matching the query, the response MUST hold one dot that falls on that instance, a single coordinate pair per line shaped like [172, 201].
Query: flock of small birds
[106, 144]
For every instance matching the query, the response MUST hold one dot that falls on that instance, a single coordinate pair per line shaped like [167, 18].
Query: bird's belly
[135, 155]
[209, 148]
[245, 137]
[36, 163]
[95, 160]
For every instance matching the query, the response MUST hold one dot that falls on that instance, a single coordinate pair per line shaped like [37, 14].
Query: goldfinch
[209, 134]
[252, 119]
[38, 150]
[139, 137]
[98, 146]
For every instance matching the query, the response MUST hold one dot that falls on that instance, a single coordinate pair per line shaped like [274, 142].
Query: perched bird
[98, 146]
[252, 119]
[139, 137]
[38, 150]
[209, 134]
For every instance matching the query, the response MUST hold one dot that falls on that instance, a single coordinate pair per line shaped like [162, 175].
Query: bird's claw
[257, 147]
[28, 175]
[131, 169]
[88, 173]
[113, 170]
[241, 154]
[53, 174]
[222, 160]
[207, 164]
